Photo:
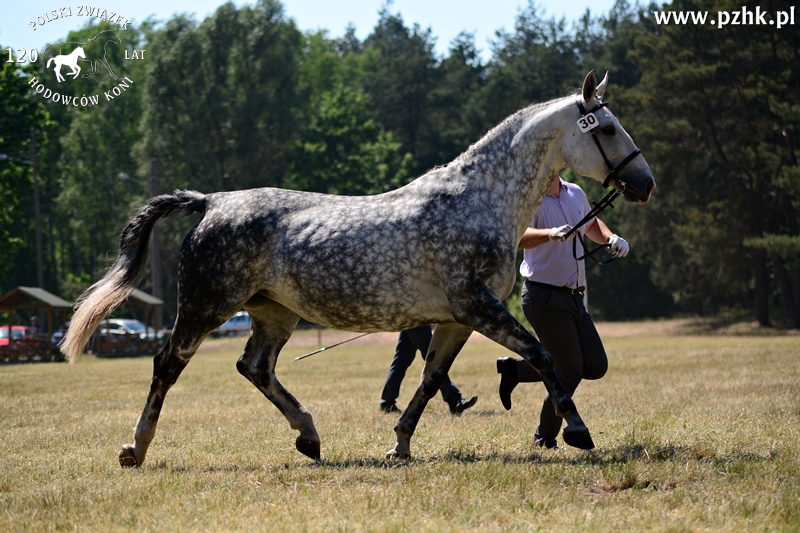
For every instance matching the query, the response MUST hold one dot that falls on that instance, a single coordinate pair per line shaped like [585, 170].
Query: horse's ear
[601, 89]
[589, 86]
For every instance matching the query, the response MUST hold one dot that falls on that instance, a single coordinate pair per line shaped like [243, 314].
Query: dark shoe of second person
[550, 444]
[507, 368]
[462, 405]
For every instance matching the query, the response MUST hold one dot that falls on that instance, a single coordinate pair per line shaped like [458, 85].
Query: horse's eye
[610, 130]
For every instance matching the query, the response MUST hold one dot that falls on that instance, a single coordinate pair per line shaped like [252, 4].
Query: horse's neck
[517, 161]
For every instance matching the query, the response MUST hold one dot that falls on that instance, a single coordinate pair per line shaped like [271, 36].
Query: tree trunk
[761, 290]
[785, 285]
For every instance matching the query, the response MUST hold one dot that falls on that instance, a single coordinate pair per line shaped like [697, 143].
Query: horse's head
[80, 51]
[604, 150]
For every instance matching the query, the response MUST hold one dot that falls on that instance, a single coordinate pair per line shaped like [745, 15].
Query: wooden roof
[20, 298]
[142, 297]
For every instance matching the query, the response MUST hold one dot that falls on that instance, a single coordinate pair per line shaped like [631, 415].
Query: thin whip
[331, 346]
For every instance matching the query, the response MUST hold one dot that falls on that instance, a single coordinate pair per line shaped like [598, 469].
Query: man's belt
[568, 290]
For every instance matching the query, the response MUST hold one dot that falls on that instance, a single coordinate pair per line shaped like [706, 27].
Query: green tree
[461, 74]
[93, 182]
[716, 111]
[20, 110]
[221, 98]
[343, 151]
[400, 74]
[536, 62]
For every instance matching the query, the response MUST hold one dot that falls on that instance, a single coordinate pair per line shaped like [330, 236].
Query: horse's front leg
[448, 339]
[272, 326]
[486, 314]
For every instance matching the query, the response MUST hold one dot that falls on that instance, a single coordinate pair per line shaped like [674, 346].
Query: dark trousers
[563, 325]
[408, 343]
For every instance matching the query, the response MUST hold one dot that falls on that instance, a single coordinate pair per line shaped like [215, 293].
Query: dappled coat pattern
[439, 250]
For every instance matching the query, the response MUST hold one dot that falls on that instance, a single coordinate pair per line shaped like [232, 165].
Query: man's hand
[560, 234]
[618, 246]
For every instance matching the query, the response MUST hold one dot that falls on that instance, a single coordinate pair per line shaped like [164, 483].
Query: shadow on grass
[621, 454]
[618, 455]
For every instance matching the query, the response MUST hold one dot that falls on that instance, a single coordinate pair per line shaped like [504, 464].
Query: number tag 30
[588, 122]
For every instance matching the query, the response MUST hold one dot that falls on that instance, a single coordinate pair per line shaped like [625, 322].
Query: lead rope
[599, 207]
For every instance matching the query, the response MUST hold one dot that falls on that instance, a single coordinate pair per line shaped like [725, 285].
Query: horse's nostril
[651, 187]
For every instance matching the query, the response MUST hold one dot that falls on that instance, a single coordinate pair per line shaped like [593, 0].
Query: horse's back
[363, 263]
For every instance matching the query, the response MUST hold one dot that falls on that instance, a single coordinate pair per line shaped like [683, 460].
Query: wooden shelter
[149, 303]
[36, 346]
[109, 343]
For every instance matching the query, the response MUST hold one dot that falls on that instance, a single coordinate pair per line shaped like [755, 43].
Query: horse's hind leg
[167, 367]
[273, 324]
[448, 339]
[487, 315]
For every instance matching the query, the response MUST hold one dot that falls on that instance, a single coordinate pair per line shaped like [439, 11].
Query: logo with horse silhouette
[90, 53]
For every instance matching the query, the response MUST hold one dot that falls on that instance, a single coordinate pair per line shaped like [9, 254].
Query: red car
[17, 332]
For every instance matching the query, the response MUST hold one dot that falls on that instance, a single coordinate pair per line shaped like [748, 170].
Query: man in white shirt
[552, 300]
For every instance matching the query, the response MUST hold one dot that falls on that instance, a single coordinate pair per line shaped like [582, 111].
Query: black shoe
[461, 405]
[550, 444]
[507, 368]
[391, 408]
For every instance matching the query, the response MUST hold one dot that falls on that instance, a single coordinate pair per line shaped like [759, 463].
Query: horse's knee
[243, 367]
[430, 384]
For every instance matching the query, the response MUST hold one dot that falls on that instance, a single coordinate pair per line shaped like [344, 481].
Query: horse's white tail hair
[48, 62]
[125, 274]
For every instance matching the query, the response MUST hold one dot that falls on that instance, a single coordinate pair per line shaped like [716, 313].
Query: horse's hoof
[308, 447]
[579, 438]
[394, 454]
[127, 459]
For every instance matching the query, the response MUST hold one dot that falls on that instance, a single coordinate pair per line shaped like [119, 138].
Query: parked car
[17, 332]
[127, 326]
[238, 323]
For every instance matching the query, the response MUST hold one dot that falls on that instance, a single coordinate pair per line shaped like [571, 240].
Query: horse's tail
[48, 62]
[125, 274]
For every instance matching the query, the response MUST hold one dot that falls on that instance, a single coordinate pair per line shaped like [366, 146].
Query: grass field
[693, 433]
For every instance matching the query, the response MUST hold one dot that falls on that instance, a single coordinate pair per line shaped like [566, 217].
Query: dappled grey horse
[440, 250]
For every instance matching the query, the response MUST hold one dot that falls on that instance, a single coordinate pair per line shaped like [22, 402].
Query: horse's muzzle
[639, 194]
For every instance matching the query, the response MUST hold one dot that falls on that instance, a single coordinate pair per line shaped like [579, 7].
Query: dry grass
[693, 434]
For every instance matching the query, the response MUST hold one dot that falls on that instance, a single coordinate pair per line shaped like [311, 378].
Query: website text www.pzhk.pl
[743, 17]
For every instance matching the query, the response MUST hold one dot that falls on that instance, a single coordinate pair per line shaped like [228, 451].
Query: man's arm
[598, 231]
[534, 237]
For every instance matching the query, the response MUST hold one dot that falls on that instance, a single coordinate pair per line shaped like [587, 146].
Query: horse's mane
[507, 126]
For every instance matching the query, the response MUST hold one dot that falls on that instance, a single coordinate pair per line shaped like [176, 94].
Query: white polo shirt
[553, 262]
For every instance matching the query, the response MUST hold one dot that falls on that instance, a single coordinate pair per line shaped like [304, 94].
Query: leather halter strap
[613, 171]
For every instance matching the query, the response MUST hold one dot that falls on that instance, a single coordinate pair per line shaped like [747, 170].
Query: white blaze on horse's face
[583, 155]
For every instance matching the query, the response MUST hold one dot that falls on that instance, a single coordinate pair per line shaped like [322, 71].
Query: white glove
[559, 234]
[618, 246]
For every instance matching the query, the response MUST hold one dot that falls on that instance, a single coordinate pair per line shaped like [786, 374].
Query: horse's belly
[364, 307]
